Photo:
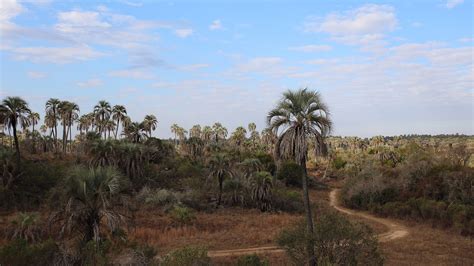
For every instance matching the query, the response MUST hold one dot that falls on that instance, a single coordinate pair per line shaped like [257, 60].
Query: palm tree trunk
[116, 130]
[220, 191]
[309, 216]
[64, 135]
[17, 146]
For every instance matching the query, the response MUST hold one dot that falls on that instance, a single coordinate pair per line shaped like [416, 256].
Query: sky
[382, 67]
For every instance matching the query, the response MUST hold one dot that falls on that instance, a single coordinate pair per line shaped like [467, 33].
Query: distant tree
[14, 111]
[149, 123]
[52, 117]
[207, 133]
[119, 112]
[238, 136]
[298, 116]
[220, 132]
[102, 111]
[33, 120]
[195, 132]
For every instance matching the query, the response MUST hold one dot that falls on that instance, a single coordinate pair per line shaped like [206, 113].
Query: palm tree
[149, 123]
[238, 136]
[51, 107]
[298, 116]
[174, 130]
[14, 111]
[102, 112]
[134, 132]
[109, 126]
[69, 113]
[91, 200]
[261, 185]
[119, 112]
[195, 132]
[220, 167]
[252, 127]
[206, 133]
[33, 118]
[220, 132]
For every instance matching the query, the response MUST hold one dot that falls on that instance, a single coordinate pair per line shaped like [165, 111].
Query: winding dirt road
[395, 231]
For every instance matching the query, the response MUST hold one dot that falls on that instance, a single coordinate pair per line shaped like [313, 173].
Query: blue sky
[383, 67]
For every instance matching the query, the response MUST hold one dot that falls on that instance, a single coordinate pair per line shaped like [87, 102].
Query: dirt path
[244, 251]
[395, 230]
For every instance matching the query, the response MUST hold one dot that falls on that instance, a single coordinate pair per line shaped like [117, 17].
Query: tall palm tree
[206, 133]
[134, 132]
[174, 130]
[238, 136]
[14, 111]
[220, 166]
[33, 118]
[298, 116]
[68, 112]
[149, 123]
[102, 112]
[91, 200]
[119, 112]
[252, 127]
[195, 132]
[51, 107]
[220, 132]
[109, 126]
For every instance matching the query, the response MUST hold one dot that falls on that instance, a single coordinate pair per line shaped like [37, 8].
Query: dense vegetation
[72, 198]
[421, 179]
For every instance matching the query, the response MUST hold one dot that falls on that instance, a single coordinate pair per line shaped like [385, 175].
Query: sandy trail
[395, 231]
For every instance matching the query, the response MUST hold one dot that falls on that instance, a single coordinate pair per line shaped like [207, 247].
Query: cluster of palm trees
[105, 120]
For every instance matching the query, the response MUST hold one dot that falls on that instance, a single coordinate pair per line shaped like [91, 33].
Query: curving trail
[395, 231]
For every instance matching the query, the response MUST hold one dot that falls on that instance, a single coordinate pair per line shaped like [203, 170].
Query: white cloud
[9, 9]
[131, 73]
[365, 26]
[216, 25]
[183, 33]
[130, 3]
[453, 3]
[91, 83]
[311, 48]
[57, 55]
[36, 74]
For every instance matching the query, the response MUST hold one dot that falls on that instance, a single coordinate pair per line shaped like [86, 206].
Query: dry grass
[224, 229]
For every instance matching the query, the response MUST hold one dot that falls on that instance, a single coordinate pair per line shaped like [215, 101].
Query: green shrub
[291, 174]
[182, 215]
[187, 256]
[336, 241]
[19, 252]
[338, 163]
[287, 200]
[251, 260]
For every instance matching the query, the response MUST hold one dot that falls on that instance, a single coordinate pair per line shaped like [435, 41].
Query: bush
[251, 260]
[287, 201]
[182, 215]
[158, 197]
[336, 241]
[338, 163]
[291, 173]
[187, 256]
[19, 252]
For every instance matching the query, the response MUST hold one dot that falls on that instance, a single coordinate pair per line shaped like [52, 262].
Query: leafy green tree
[298, 116]
[14, 111]
[261, 185]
